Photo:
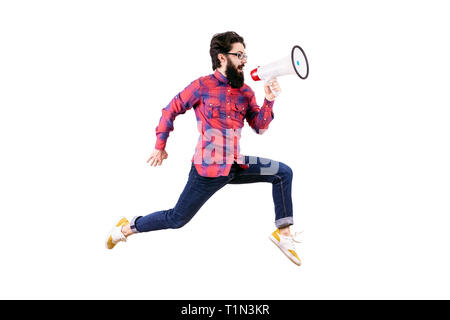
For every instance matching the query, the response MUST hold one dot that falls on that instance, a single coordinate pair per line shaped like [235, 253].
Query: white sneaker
[116, 235]
[286, 245]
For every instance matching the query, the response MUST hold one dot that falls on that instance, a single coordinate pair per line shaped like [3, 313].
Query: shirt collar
[219, 76]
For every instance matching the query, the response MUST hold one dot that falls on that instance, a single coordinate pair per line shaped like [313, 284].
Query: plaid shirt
[220, 111]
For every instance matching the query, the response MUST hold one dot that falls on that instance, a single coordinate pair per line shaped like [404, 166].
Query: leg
[197, 191]
[280, 175]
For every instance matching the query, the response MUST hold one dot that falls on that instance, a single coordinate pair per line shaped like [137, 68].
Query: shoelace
[296, 236]
[289, 241]
[118, 235]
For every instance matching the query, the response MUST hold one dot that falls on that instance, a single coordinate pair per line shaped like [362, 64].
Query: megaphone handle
[273, 91]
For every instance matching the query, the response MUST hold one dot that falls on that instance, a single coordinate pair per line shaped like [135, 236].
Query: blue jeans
[199, 189]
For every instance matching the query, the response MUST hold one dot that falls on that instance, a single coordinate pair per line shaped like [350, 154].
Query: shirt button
[264, 119]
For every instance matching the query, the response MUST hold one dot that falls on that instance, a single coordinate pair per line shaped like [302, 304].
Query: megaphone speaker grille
[300, 62]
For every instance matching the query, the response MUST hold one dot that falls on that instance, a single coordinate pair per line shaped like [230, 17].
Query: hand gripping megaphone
[296, 64]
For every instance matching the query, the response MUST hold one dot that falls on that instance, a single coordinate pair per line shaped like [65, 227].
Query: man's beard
[234, 76]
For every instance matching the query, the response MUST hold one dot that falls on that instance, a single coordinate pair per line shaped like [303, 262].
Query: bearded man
[221, 102]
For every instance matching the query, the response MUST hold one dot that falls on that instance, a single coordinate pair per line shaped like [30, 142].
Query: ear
[222, 59]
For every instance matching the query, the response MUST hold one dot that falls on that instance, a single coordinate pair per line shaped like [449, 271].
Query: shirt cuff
[268, 103]
[160, 144]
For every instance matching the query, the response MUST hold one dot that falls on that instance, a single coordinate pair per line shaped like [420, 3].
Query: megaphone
[296, 64]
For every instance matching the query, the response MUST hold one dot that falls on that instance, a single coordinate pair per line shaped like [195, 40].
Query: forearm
[165, 126]
[262, 119]
[182, 102]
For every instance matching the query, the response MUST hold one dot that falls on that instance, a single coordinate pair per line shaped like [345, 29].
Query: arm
[260, 118]
[182, 102]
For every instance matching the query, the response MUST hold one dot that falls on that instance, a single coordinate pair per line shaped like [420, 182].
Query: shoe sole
[287, 254]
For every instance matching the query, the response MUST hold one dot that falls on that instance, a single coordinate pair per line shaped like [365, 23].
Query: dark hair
[221, 43]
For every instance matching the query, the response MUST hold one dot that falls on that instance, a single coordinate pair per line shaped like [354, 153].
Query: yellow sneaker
[116, 235]
[286, 245]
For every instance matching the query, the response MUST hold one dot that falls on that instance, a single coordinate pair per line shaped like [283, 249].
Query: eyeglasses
[240, 55]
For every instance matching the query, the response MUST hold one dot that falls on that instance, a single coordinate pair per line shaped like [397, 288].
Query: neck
[222, 71]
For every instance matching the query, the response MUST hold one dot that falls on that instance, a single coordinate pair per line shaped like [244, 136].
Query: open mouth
[241, 67]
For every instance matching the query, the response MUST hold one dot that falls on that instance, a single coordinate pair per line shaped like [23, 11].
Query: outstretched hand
[157, 157]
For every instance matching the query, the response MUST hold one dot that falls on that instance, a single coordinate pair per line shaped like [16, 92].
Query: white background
[82, 85]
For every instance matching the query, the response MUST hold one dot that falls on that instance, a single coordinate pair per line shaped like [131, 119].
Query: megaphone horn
[296, 63]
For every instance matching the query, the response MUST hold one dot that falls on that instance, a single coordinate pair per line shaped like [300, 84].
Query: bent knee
[178, 221]
[285, 171]
[178, 224]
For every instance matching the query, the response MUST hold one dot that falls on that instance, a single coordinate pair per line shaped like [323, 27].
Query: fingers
[157, 158]
[271, 86]
[277, 89]
[159, 162]
[272, 82]
[275, 86]
[268, 86]
[155, 161]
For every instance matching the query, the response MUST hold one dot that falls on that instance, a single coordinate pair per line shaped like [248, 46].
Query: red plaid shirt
[220, 111]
